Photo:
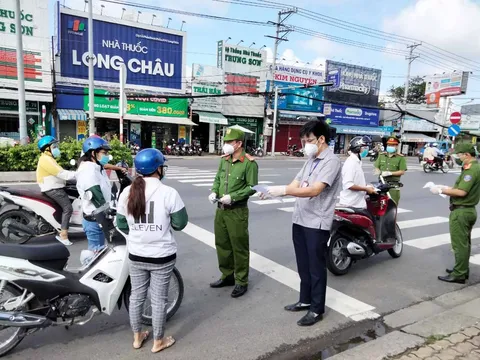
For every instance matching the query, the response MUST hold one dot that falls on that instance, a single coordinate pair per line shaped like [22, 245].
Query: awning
[156, 119]
[241, 128]
[419, 138]
[212, 118]
[71, 114]
[301, 113]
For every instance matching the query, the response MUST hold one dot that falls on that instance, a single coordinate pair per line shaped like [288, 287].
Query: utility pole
[91, 84]
[22, 108]
[410, 58]
[280, 35]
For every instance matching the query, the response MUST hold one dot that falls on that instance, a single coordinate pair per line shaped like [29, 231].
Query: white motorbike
[37, 290]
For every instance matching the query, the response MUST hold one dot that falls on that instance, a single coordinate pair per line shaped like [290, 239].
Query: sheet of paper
[263, 190]
[431, 184]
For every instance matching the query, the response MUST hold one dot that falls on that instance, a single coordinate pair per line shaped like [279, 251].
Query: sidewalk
[445, 328]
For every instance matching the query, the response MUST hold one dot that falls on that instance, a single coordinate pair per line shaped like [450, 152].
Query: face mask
[104, 160]
[391, 149]
[364, 153]
[56, 153]
[228, 149]
[311, 150]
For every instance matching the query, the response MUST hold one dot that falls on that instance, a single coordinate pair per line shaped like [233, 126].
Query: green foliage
[416, 91]
[25, 157]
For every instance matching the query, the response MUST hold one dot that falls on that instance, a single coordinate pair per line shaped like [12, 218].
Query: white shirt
[352, 174]
[89, 175]
[152, 236]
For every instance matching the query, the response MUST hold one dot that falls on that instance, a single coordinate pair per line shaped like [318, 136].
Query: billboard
[297, 75]
[207, 80]
[352, 84]
[36, 45]
[470, 117]
[442, 85]
[298, 99]
[351, 116]
[155, 59]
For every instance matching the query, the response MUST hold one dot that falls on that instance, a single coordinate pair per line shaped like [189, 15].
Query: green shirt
[238, 176]
[393, 163]
[468, 181]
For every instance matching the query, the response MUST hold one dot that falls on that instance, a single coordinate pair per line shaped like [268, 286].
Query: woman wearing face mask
[52, 178]
[391, 166]
[354, 185]
[94, 187]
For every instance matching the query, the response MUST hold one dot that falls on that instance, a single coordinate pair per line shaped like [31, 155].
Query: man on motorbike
[354, 185]
[437, 155]
[52, 178]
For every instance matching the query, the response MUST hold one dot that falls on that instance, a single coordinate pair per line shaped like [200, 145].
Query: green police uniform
[463, 214]
[235, 177]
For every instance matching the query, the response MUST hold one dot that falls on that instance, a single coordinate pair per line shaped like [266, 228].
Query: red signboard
[455, 117]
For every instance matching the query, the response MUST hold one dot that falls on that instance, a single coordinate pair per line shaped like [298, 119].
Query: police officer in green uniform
[236, 175]
[464, 196]
[391, 165]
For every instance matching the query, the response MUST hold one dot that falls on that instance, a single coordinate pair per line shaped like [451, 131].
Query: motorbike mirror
[72, 162]
[400, 185]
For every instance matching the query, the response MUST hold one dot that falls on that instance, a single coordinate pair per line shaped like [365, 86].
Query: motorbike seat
[353, 210]
[37, 195]
[40, 252]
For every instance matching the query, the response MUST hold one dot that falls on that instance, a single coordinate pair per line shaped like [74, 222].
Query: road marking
[189, 177]
[399, 210]
[335, 300]
[286, 209]
[274, 201]
[186, 172]
[402, 211]
[210, 179]
[210, 184]
[475, 259]
[436, 240]
[407, 224]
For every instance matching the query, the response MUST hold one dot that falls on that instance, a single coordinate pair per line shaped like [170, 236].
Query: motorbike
[39, 290]
[258, 151]
[360, 233]
[373, 155]
[432, 165]
[35, 214]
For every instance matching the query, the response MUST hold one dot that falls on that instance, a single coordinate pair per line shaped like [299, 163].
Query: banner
[298, 75]
[345, 115]
[442, 85]
[207, 80]
[352, 84]
[154, 59]
[300, 99]
[168, 107]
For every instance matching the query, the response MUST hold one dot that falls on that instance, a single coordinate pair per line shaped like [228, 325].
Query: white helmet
[435, 145]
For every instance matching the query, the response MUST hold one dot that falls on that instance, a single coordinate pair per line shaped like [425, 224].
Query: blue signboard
[454, 130]
[288, 99]
[363, 130]
[153, 58]
[346, 115]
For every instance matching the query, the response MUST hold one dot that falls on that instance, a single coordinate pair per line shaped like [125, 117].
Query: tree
[416, 91]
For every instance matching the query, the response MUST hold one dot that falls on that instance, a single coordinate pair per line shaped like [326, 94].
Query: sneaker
[65, 242]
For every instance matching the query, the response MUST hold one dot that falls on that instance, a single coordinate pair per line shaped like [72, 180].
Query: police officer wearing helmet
[94, 187]
[354, 185]
[148, 211]
[391, 165]
[464, 197]
[51, 178]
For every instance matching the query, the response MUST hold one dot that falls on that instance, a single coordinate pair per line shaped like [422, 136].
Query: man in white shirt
[354, 185]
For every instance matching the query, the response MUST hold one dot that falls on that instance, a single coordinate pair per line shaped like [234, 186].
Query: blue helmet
[95, 142]
[148, 161]
[45, 142]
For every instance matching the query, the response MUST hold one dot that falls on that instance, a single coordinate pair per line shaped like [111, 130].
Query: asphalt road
[212, 325]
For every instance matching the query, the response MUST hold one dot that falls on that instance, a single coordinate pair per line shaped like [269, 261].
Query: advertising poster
[207, 80]
[136, 133]
[441, 85]
[299, 99]
[351, 116]
[154, 58]
[352, 84]
[298, 75]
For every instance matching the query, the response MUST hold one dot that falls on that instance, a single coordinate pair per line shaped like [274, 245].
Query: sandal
[166, 343]
[145, 335]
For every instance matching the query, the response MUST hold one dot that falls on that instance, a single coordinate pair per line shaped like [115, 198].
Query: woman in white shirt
[148, 211]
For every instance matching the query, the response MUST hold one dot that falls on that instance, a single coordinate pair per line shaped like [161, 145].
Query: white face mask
[228, 149]
[311, 150]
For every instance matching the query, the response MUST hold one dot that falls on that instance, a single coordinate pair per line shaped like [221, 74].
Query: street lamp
[241, 41]
[229, 38]
[275, 108]
[169, 19]
[253, 43]
[183, 22]
[138, 15]
[123, 12]
[153, 18]
[101, 11]
[264, 46]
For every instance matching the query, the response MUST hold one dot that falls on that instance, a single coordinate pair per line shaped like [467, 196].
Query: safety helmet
[147, 161]
[358, 142]
[96, 143]
[45, 142]
[435, 145]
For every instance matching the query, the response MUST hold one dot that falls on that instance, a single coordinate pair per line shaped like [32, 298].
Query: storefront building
[418, 132]
[37, 69]
[155, 116]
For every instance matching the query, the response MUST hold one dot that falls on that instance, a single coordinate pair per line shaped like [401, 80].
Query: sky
[451, 25]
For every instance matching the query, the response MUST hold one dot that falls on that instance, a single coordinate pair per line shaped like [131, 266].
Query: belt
[455, 207]
[90, 218]
[231, 206]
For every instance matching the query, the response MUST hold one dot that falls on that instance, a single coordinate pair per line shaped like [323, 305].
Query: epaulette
[249, 157]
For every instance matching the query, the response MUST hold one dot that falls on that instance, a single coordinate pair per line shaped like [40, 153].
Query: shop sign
[345, 115]
[7, 21]
[154, 59]
[182, 132]
[242, 121]
[441, 85]
[360, 130]
[81, 130]
[168, 107]
[207, 81]
[411, 123]
[12, 105]
[297, 75]
[298, 99]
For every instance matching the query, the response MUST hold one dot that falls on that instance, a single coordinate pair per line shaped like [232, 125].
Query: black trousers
[311, 251]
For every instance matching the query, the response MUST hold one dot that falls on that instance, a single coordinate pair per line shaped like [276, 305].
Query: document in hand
[264, 191]
[430, 185]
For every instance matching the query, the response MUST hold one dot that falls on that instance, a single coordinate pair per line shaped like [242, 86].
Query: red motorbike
[360, 233]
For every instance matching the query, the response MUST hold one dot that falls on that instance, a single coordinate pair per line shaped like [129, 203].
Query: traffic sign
[455, 117]
[454, 130]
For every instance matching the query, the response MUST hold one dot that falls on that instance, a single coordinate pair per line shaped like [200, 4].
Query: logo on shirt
[467, 178]
[147, 220]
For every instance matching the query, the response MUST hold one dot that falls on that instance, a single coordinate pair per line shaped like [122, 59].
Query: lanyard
[312, 168]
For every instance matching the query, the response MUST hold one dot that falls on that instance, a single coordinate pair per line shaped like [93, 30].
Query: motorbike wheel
[199, 153]
[427, 168]
[10, 337]
[397, 250]
[338, 262]
[259, 153]
[445, 168]
[373, 158]
[175, 297]
[13, 236]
